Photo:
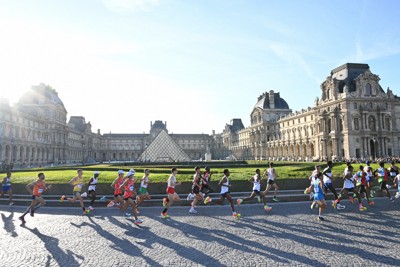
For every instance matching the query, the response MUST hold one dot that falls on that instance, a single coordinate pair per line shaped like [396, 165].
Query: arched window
[367, 91]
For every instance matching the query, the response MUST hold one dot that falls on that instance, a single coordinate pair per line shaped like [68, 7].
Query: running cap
[96, 172]
[121, 172]
[130, 173]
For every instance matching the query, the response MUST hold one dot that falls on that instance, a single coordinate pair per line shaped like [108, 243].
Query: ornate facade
[35, 132]
[354, 118]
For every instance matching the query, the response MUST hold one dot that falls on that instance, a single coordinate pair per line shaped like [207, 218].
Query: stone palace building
[353, 118]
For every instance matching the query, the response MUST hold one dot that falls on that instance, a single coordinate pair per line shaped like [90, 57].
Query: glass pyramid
[162, 149]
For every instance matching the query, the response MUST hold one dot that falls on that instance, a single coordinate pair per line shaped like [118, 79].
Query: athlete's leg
[229, 198]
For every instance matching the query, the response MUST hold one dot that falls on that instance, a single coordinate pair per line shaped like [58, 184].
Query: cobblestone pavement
[288, 235]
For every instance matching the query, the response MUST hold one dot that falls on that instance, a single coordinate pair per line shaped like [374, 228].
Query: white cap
[121, 172]
[96, 172]
[130, 173]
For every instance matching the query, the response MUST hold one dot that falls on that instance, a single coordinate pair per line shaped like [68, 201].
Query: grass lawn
[185, 173]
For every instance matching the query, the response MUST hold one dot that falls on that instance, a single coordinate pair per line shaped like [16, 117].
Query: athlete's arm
[73, 180]
[30, 186]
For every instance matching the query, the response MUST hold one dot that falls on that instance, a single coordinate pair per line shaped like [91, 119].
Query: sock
[165, 210]
[83, 208]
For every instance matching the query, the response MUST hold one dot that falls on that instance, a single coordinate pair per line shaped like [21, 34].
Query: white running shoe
[397, 195]
[11, 203]
[340, 206]
[192, 210]
[190, 197]
[90, 208]
[84, 194]
[388, 186]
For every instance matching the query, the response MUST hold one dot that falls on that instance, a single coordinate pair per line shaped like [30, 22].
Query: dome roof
[41, 95]
[271, 100]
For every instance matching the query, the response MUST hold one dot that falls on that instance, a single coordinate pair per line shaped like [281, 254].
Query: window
[356, 125]
[354, 105]
[367, 91]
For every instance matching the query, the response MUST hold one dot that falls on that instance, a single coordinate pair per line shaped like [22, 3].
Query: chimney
[271, 99]
[98, 132]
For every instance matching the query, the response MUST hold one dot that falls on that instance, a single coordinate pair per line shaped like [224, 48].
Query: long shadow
[225, 238]
[119, 244]
[189, 253]
[52, 246]
[9, 224]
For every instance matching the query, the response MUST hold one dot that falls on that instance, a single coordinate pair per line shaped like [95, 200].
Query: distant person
[130, 196]
[78, 183]
[196, 189]
[206, 188]
[225, 194]
[92, 189]
[319, 195]
[327, 179]
[116, 184]
[36, 189]
[172, 196]
[143, 193]
[6, 188]
[271, 174]
[383, 175]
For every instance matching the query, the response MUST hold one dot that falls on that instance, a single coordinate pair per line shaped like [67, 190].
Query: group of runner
[356, 184]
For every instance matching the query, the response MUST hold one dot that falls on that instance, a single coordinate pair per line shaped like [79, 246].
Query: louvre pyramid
[163, 148]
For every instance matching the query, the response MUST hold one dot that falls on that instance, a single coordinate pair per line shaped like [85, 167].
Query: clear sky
[195, 64]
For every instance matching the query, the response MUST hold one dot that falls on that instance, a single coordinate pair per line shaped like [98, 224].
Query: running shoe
[11, 203]
[334, 204]
[371, 203]
[391, 199]
[22, 219]
[373, 194]
[84, 194]
[90, 208]
[164, 201]
[127, 214]
[190, 197]
[236, 215]
[111, 204]
[388, 186]
[362, 208]
[267, 208]
[164, 215]
[137, 211]
[321, 219]
[207, 200]
[239, 201]
[275, 199]
[397, 195]
[192, 210]
[86, 212]
[62, 198]
[138, 221]
[32, 213]
[311, 196]
[340, 206]
[351, 200]
[103, 199]
[313, 204]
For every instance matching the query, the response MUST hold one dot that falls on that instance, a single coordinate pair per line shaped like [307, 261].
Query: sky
[194, 64]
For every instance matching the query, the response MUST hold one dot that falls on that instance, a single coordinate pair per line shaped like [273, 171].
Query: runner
[172, 196]
[256, 180]
[225, 193]
[319, 195]
[144, 183]
[77, 182]
[349, 187]
[6, 188]
[129, 196]
[327, 174]
[361, 183]
[312, 178]
[196, 189]
[397, 185]
[383, 175]
[370, 179]
[271, 173]
[206, 188]
[36, 189]
[117, 190]
[393, 171]
[92, 188]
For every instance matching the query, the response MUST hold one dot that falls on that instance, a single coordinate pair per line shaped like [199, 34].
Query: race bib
[40, 190]
[79, 185]
[131, 187]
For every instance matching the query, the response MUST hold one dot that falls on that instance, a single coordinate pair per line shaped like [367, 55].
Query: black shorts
[271, 182]
[257, 192]
[362, 189]
[196, 190]
[117, 195]
[350, 189]
[90, 191]
[34, 197]
[383, 185]
[226, 193]
[129, 198]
